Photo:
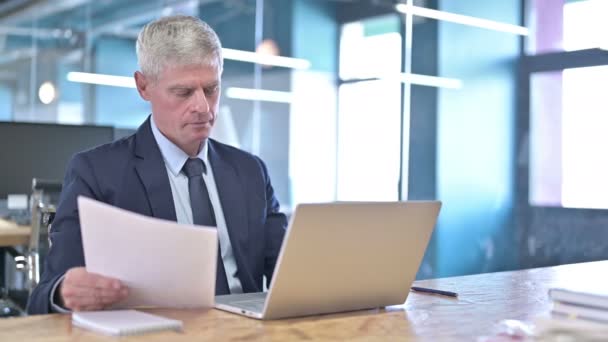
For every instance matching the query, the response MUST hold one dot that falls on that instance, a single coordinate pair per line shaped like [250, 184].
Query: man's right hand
[84, 291]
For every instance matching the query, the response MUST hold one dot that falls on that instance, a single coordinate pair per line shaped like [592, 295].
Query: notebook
[580, 311]
[346, 256]
[592, 296]
[123, 322]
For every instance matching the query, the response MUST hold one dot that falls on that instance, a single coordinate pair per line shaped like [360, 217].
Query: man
[170, 169]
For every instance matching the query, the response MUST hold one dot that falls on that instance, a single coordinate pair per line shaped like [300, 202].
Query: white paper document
[164, 264]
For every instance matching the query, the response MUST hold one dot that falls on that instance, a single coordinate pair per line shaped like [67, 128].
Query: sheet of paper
[164, 264]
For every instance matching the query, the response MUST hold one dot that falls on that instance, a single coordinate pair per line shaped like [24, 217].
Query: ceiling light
[259, 95]
[252, 57]
[429, 81]
[462, 19]
[101, 79]
[47, 92]
[267, 47]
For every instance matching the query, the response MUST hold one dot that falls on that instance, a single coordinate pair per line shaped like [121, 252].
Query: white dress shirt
[175, 159]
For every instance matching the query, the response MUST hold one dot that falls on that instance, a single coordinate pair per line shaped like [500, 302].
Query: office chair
[44, 194]
[30, 262]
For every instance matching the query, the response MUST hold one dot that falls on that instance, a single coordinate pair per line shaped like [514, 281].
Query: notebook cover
[123, 322]
[587, 296]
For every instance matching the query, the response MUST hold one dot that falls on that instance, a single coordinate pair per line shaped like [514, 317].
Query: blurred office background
[496, 108]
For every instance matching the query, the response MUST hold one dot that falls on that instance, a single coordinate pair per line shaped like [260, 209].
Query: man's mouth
[201, 123]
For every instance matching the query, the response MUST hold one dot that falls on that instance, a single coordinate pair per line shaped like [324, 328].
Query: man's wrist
[56, 299]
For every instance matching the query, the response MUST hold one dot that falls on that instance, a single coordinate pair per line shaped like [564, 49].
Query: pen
[433, 291]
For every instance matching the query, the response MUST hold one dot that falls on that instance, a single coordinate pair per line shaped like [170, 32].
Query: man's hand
[83, 291]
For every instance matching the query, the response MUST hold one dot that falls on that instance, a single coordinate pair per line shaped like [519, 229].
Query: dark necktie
[202, 213]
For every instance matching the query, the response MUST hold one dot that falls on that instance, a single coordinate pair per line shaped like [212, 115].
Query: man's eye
[183, 93]
[211, 91]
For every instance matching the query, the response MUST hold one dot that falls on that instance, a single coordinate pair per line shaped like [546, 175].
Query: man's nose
[201, 104]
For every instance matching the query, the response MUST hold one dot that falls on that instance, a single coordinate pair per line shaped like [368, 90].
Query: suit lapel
[232, 197]
[151, 169]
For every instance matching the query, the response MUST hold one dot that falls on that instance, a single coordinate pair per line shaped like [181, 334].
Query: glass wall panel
[567, 138]
[565, 25]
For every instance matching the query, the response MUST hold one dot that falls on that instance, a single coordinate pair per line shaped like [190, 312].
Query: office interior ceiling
[65, 26]
[101, 16]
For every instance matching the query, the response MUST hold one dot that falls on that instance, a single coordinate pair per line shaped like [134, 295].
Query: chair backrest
[45, 194]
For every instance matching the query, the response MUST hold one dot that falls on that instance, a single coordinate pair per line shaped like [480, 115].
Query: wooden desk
[484, 300]
[12, 234]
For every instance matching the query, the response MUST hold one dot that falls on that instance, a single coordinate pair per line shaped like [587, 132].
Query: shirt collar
[174, 157]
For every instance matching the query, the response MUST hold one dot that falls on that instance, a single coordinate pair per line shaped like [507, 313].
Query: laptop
[343, 256]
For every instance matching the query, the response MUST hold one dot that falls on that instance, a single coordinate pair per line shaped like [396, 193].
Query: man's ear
[142, 84]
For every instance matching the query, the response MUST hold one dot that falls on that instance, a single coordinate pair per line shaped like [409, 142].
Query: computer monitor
[40, 150]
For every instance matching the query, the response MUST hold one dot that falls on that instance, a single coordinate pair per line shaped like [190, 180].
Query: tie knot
[194, 167]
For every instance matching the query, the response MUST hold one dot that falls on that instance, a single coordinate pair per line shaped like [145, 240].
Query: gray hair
[177, 40]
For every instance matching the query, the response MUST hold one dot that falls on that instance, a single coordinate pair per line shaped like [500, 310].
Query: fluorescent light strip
[101, 79]
[423, 80]
[253, 57]
[259, 95]
[431, 81]
[462, 19]
[233, 92]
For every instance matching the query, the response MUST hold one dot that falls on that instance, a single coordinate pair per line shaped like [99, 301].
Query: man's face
[185, 101]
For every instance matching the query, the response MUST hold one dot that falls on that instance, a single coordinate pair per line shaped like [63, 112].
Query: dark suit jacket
[130, 174]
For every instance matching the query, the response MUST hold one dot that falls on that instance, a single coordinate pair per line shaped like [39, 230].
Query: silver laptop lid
[349, 256]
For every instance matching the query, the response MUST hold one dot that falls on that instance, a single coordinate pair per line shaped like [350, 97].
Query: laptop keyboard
[250, 301]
